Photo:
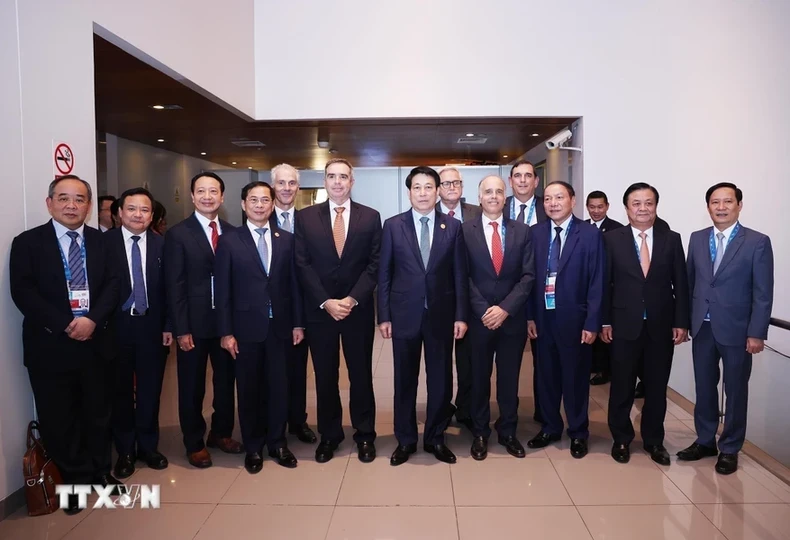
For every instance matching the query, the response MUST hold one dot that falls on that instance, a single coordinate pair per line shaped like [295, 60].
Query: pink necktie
[644, 254]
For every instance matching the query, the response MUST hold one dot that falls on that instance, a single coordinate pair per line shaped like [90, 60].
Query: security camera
[558, 140]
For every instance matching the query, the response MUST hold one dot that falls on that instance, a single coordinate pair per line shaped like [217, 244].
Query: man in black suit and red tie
[64, 283]
[501, 276]
[337, 259]
[189, 277]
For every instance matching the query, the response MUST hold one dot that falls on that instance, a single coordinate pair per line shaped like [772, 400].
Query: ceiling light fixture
[202, 153]
[158, 107]
[249, 167]
[536, 134]
[504, 156]
[160, 140]
[233, 163]
[470, 134]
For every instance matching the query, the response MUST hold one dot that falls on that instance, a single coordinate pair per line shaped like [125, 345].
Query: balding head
[491, 192]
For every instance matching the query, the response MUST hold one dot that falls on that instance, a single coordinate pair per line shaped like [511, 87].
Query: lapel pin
[443, 226]
[277, 234]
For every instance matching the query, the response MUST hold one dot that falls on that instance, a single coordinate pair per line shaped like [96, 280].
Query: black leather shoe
[402, 453]
[639, 391]
[513, 446]
[598, 379]
[108, 480]
[579, 448]
[621, 453]
[440, 452]
[284, 457]
[727, 463]
[72, 507]
[366, 451]
[124, 467]
[325, 451]
[658, 453]
[695, 452]
[542, 440]
[303, 433]
[479, 449]
[466, 422]
[253, 463]
[154, 460]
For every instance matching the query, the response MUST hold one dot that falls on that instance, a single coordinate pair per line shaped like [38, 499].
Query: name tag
[212, 291]
[549, 291]
[80, 302]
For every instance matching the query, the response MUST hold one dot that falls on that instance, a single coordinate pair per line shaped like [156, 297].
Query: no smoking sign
[64, 159]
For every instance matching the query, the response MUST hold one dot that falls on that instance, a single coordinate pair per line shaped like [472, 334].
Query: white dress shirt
[488, 231]
[649, 239]
[127, 244]
[415, 215]
[724, 241]
[102, 228]
[563, 232]
[267, 238]
[457, 213]
[204, 222]
[598, 223]
[346, 215]
[64, 239]
[279, 211]
[517, 210]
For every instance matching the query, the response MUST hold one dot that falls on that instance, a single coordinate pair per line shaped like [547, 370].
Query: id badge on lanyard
[549, 291]
[212, 291]
[80, 301]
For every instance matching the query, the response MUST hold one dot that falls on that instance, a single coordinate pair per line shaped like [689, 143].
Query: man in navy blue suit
[565, 316]
[259, 318]
[422, 301]
[731, 283]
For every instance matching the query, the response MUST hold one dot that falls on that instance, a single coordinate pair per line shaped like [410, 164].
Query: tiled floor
[547, 495]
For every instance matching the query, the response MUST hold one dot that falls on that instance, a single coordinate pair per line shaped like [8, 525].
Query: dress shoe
[513, 446]
[325, 451]
[124, 467]
[479, 448]
[201, 459]
[658, 453]
[466, 422]
[154, 460]
[366, 451]
[253, 463]
[579, 448]
[226, 444]
[621, 453]
[108, 480]
[440, 452]
[284, 457]
[542, 440]
[303, 433]
[727, 463]
[72, 507]
[695, 452]
[639, 391]
[402, 453]
[599, 378]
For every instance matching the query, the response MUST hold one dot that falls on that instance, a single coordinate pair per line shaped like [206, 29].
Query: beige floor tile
[254, 522]
[186, 484]
[678, 412]
[554, 522]
[393, 523]
[662, 522]
[748, 521]
[701, 484]
[171, 521]
[53, 526]
[507, 482]
[423, 481]
[762, 475]
[637, 482]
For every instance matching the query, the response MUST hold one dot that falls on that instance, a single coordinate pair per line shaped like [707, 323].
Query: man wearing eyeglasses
[451, 190]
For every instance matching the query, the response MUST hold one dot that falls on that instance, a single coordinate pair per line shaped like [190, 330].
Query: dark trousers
[356, 332]
[600, 358]
[626, 354]
[74, 415]
[297, 383]
[192, 390]
[439, 375]
[737, 370]
[508, 350]
[463, 368]
[533, 347]
[262, 379]
[135, 414]
[564, 376]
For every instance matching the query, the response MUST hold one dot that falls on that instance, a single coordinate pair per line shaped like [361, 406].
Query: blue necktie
[425, 241]
[287, 225]
[76, 267]
[521, 214]
[263, 249]
[554, 259]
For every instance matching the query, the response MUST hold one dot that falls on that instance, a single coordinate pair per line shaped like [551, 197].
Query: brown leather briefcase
[41, 476]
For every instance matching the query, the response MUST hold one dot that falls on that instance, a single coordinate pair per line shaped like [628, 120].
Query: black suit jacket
[468, 211]
[508, 290]
[608, 224]
[322, 274]
[663, 294]
[189, 267]
[154, 322]
[539, 210]
[39, 290]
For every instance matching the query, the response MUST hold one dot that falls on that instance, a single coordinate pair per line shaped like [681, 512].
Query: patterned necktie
[214, 235]
[496, 248]
[138, 296]
[521, 214]
[76, 267]
[644, 254]
[263, 249]
[287, 225]
[425, 241]
[556, 248]
[719, 252]
[339, 231]
[451, 213]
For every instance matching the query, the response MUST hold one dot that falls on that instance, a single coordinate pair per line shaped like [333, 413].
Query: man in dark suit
[645, 314]
[451, 189]
[337, 258]
[598, 206]
[105, 214]
[422, 301]
[63, 282]
[285, 181]
[140, 322]
[501, 275]
[189, 277]
[565, 316]
[731, 281]
[256, 292]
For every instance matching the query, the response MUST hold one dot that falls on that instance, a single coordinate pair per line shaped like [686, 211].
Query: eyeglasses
[452, 183]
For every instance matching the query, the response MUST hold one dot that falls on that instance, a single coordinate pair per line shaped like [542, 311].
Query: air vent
[246, 143]
[477, 139]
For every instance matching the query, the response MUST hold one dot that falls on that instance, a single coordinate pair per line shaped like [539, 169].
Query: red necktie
[496, 248]
[451, 213]
[214, 235]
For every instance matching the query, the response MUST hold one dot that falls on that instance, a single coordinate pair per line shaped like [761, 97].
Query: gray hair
[448, 169]
[284, 167]
[59, 179]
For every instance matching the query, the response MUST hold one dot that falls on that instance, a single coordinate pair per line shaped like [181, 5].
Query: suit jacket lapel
[200, 235]
[731, 250]
[51, 243]
[151, 264]
[93, 261]
[252, 248]
[126, 283]
[510, 236]
[570, 243]
[483, 247]
[326, 225]
[659, 240]
[629, 244]
[277, 249]
[411, 237]
[439, 236]
[352, 226]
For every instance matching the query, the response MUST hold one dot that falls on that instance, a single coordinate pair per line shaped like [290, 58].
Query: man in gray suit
[451, 189]
[731, 281]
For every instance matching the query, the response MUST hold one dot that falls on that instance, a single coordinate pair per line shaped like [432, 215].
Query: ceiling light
[249, 167]
[166, 107]
[160, 140]
[202, 153]
[233, 163]
[504, 156]
[536, 134]
[470, 134]
[158, 107]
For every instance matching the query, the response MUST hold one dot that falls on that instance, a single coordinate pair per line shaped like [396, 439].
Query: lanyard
[712, 244]
[513, 214]
[551, 239]
[66, 264]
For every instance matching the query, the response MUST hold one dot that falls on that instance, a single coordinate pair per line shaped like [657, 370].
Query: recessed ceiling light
[536, 134]
[505, 155]
[249, 167]
[160, 140]
[158, 107]
[202, 153]
[470, 134]
[233, 163]
[166, 107]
